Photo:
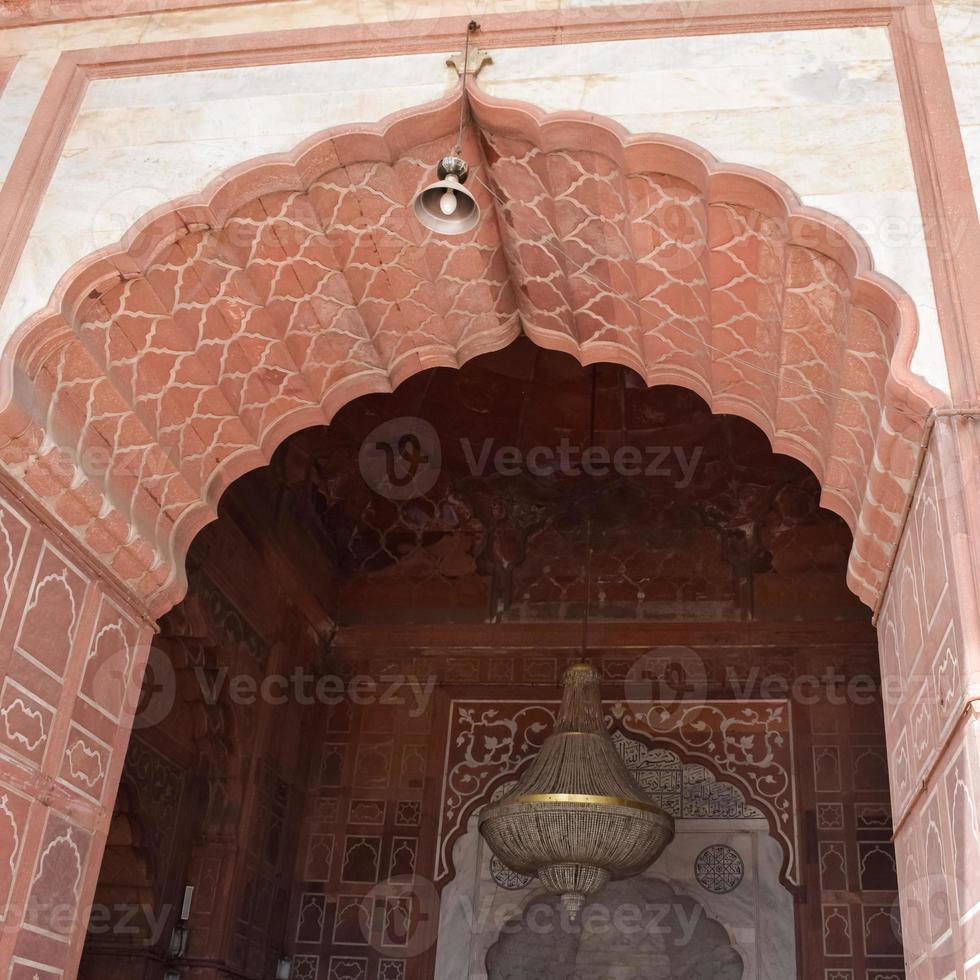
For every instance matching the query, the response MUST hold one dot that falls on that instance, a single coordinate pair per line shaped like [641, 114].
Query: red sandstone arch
[165, 367]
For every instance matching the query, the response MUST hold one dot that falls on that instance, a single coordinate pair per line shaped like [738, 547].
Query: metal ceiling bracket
[470, 60]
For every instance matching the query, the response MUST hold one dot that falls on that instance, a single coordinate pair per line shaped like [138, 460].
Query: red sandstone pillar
[72, 655]
[930, 653]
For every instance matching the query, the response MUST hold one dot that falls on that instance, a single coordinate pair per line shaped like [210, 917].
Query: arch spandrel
[169, 365]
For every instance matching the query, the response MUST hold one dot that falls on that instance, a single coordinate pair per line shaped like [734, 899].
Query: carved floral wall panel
[71, 660]
[928, 626]
[391, 794]
[747, 746]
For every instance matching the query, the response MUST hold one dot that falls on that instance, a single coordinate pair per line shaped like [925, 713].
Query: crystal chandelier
[577, 818]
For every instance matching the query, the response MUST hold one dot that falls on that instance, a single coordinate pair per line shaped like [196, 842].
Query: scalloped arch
[170, 364]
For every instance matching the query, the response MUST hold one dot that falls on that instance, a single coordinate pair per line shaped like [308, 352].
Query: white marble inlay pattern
[138, 143]
[818, 108]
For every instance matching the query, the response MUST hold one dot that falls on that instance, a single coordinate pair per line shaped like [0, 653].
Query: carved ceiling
[702, 521]
[168, 366]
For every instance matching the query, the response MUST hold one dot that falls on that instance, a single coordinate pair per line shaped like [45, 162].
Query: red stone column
[72, 654]
[930, 652]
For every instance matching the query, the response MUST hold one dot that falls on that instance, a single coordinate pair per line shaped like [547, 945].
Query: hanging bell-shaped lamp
[447, 206]
[577, 818]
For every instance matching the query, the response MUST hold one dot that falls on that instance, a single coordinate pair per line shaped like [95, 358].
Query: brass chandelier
[577, 818]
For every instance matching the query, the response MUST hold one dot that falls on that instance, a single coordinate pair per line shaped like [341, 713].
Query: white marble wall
[959, 27]
[758, 914]
[140, 142]
[819, 109]
[263, 15]
[19, 100]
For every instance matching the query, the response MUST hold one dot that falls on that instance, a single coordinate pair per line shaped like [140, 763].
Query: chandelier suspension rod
[588, 523]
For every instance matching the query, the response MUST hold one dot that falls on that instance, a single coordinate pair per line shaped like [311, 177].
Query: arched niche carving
[652, 931]
[491, 743]
[480, 895]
